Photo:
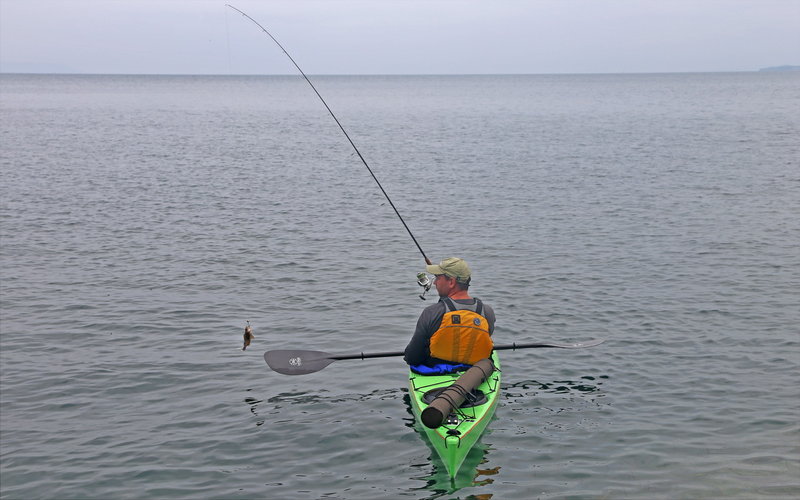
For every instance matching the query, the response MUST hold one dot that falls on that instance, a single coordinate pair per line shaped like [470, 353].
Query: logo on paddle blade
[295, 361]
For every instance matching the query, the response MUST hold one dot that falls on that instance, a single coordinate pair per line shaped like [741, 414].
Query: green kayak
[462, 428]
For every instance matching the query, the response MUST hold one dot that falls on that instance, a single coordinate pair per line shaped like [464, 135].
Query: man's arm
[418, 349]
[489, 315]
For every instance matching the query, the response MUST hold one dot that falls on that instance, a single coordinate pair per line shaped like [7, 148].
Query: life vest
[463, 336]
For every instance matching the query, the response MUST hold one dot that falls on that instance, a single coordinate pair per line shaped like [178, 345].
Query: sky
[398, 37]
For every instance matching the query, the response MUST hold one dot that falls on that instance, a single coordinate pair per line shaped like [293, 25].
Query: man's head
[452, 274]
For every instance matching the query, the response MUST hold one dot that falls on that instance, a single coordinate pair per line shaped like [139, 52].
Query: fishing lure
[248, 336]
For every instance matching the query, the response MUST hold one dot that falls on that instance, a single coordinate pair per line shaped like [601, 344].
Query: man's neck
[460, 295]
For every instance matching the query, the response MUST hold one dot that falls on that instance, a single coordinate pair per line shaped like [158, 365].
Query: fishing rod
[427, 260]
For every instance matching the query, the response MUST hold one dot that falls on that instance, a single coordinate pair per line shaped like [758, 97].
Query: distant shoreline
[781, 68]
[36, 73]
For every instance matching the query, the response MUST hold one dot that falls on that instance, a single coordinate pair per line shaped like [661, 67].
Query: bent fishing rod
[427, 260]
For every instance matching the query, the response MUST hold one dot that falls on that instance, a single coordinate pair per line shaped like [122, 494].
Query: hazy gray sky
[398, 37]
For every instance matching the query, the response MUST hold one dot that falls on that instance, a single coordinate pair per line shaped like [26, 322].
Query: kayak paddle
[300, 362]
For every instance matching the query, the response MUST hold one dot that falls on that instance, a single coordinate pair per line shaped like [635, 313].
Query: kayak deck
[462, 428]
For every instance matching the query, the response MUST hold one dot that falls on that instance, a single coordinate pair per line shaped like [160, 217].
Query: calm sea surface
[146, 219]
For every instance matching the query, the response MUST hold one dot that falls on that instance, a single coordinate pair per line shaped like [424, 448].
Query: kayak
[462, 428]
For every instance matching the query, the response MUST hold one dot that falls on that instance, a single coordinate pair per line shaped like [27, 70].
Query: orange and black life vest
[463, 336]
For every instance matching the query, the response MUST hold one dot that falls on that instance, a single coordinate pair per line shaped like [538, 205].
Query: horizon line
[69, 73]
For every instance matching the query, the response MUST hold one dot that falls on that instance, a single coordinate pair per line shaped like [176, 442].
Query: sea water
[146, 219]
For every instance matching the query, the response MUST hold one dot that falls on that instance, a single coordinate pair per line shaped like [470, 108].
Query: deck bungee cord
[420, 280]
[464, 410]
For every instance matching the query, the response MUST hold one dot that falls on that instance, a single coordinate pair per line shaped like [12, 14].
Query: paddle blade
[296, 362]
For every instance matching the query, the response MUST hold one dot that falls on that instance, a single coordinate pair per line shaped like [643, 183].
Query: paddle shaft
[301, 362]
[368, 356]
[506, 347]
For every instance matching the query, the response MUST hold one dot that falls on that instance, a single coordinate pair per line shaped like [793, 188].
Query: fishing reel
[425, 282]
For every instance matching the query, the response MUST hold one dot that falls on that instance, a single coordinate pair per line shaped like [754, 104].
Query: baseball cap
[452, 267]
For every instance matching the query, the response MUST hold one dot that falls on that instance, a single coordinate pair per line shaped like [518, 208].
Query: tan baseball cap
[453, 267]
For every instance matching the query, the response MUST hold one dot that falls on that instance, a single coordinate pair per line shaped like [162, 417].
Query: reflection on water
[318, 395]
[469, 474]
[586, 384]
[312, 397]
[439, 482]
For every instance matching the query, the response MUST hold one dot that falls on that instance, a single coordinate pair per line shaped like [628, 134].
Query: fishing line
[427, 260]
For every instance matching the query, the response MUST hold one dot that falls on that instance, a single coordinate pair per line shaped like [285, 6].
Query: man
[456, 330]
